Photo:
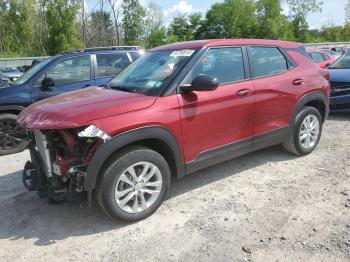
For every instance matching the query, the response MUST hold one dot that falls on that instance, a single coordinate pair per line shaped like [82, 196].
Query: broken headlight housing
[93, 131]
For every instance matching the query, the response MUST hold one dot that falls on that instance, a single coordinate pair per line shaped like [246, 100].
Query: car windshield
[24, 78]
[153, 72]
[341, 63]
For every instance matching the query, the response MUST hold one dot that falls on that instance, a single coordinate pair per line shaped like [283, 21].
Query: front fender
[127, 138]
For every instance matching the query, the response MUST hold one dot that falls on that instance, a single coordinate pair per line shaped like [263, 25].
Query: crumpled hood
[77, 108]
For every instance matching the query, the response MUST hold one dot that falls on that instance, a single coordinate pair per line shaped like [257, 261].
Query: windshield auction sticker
[185, 52]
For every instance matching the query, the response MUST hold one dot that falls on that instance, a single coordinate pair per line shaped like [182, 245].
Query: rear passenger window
[111, 64]
[226, 64]
[268, 61]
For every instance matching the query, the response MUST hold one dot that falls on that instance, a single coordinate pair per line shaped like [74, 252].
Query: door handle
[243, 92]
[298, 82]
[87, 85]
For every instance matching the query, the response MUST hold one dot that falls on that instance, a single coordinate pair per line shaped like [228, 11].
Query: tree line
[48, 27]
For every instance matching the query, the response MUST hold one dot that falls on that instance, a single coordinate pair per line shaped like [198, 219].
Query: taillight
[325, 73]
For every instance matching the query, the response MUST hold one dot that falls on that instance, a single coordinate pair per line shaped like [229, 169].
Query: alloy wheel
[11, 135]
[309, 131]
[138, 187]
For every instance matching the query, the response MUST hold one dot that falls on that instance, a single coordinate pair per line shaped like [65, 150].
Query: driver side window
[71, 70]
[225, 63]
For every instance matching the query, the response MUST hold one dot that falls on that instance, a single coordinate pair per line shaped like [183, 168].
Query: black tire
[293, 144]
[114, 168]
[13, 138]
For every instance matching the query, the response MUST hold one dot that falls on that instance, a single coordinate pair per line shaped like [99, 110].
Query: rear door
[276, 88]
[108, 65]
[213, 121]
[68, 74]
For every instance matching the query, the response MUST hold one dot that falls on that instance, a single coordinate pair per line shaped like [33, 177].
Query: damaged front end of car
[59, 160]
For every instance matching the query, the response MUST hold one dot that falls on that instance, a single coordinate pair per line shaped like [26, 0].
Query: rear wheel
[307, 132]
[13, 138]
[134, 184]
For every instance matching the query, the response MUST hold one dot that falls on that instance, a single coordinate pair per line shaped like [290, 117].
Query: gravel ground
[265, 206]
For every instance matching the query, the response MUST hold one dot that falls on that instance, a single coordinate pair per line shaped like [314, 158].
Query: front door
[214, 122]
[68, 75]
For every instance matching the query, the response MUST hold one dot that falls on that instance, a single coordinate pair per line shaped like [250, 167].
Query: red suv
[176, 110]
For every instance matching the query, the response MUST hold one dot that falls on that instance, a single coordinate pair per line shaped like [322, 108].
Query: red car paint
[199, 121]
[76, 108]
[327, 59]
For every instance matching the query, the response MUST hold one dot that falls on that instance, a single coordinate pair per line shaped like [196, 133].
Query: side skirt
[236, 149]
[271, 138]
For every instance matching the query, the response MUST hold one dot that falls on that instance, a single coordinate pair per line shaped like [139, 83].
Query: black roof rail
[106, 48]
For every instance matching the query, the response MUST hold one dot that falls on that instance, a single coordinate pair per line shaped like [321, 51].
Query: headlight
[93, 131]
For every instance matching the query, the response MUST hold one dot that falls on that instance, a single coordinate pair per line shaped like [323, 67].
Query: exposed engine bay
[59, 160]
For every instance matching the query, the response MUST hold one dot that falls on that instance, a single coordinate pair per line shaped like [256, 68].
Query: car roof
[226, 42]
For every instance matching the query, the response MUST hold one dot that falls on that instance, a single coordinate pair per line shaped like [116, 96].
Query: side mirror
[327, 65]
[47, 83]
[202, 83]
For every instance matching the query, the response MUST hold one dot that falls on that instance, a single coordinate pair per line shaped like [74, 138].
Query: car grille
[42, 146]
[340, 89]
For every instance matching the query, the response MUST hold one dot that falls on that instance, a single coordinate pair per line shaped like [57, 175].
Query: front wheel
[133, 184]
[13, 138]
[307, 132]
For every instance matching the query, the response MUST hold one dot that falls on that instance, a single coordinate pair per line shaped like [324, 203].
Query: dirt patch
[265, 206]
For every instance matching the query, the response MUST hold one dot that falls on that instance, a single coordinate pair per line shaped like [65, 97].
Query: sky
[333, 12]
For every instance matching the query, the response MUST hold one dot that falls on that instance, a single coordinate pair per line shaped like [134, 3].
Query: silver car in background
[9, 74]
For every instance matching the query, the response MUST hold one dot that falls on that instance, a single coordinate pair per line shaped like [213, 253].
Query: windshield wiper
[124, 88]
